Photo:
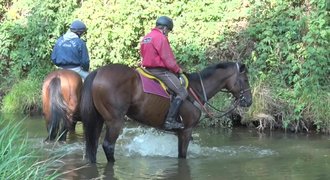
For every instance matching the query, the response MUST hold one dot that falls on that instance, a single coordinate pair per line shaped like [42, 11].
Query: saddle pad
[152, 87]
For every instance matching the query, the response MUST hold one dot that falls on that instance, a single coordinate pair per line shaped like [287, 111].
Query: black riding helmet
[165, 21]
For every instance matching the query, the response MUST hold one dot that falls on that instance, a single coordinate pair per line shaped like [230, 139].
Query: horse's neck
[212, 84]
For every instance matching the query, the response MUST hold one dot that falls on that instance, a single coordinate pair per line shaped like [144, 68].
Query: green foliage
[24, 97]
[115, 37]
[318, 111]
[263, 95]
[27, 38]
[4, 4]
[292, 38]
[6, 43]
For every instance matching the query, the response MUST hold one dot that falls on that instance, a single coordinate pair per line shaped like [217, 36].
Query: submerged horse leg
[112, 132]
[63, 134]
[184, 137]
[190, 115]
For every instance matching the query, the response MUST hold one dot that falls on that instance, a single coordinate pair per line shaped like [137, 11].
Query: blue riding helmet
[78, 26]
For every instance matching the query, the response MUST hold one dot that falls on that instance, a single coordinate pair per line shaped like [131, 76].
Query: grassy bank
[19, 160]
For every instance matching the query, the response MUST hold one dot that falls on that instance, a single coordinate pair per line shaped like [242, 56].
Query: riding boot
[170, 122]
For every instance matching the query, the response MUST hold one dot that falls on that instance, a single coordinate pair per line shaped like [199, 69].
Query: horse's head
[239, 86]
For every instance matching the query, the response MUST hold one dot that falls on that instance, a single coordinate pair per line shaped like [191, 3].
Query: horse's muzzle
[245, 102]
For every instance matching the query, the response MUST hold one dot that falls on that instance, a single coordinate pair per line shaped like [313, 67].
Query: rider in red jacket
[158, 58]
[156, 52]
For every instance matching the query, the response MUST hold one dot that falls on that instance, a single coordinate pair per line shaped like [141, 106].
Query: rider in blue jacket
[70, 52]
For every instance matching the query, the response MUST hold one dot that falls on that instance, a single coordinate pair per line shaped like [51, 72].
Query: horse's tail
[58, 109]
[92, 120]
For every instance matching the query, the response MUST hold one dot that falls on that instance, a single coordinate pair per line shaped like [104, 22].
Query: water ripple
[150, 142]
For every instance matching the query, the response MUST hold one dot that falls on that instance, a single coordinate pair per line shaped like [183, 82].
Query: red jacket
[156, 52]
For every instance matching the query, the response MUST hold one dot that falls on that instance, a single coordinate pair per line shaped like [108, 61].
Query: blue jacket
[70, 51]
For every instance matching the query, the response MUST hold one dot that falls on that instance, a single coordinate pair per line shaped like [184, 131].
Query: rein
[224, 112]
[200, 102]
[235, 102]
[203, 88]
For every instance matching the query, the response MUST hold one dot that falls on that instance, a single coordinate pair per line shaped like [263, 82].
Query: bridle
[235, 103]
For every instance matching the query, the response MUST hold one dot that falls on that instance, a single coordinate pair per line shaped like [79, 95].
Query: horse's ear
[242, 68]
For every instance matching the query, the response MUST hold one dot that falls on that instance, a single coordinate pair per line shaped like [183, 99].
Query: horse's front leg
[112, 133]
[184, 137]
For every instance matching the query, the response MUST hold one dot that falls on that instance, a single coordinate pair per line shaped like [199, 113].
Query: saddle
[153, 85]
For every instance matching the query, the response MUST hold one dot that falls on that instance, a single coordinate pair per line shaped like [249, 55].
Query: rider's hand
[180, 71]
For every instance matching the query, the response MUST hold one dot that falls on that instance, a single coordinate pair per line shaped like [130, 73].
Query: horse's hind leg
[112, 132]
[92, 131]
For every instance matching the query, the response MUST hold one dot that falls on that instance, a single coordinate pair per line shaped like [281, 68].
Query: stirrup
[173, 125]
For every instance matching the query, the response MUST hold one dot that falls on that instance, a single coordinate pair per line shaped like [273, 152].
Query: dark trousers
[171, 81]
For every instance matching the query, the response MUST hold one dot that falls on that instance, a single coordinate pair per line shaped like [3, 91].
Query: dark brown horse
[111, 92]
[60, 98]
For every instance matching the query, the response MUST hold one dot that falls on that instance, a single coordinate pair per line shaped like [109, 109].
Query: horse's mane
[208, 71]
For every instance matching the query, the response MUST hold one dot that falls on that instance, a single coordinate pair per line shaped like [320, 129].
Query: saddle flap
[153, 85]
[147, 74]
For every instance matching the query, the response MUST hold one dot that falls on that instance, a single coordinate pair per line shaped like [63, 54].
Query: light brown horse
[60, 98]
[111, 92]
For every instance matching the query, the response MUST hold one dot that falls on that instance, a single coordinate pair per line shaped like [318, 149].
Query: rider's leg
[170, 121]
[173, 83]
[83, 74]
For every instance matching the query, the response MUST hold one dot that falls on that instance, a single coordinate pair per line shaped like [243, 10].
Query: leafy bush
[291, 38]
[24, 97]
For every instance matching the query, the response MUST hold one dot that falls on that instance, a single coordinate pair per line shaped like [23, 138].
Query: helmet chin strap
[78, 33]
[164, 30]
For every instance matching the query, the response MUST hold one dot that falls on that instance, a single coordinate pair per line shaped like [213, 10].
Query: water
[145, 153]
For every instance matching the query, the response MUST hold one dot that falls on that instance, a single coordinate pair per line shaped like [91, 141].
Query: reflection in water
[182, 171]
[89, 171]
[175, 169]
[145, 153]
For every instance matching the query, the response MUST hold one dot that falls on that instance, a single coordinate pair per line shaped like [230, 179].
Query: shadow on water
[145, 153]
